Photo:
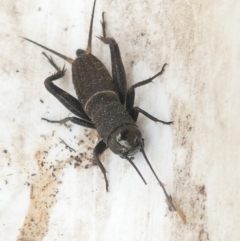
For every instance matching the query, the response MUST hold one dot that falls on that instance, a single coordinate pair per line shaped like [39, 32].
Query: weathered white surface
[197, 158]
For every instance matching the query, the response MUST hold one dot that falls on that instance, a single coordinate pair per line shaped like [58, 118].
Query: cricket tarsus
[50, 60]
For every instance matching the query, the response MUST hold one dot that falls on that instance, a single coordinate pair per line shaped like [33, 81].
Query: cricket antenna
[69, 60]
[89, 46]
[168, 197]
[129, 159]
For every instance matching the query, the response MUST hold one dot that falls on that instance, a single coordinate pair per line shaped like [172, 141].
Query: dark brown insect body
[103, 103]
[97, 95]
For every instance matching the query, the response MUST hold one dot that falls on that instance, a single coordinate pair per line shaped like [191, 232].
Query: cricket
[104, 103]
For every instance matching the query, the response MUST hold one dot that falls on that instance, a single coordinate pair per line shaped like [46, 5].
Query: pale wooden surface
[197, 158]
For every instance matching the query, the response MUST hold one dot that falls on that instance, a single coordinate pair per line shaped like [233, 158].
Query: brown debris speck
[76, 165]
[77, 159]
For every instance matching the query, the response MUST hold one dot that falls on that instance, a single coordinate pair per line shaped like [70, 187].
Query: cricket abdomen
[89, 77]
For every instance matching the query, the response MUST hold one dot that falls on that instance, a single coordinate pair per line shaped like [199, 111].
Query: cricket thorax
[107, 113]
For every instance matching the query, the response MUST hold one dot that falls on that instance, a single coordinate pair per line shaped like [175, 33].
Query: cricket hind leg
[134, 111]
[70, 102]
[118, 71]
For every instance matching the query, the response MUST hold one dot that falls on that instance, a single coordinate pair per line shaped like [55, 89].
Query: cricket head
[125, 140]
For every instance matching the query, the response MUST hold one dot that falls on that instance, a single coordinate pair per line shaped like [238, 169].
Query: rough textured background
[49, 192]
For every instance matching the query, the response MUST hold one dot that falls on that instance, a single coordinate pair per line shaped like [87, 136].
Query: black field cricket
[104, 103]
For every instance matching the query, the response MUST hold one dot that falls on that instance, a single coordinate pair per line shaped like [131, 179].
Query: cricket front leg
[74, 120]
[98, 150]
